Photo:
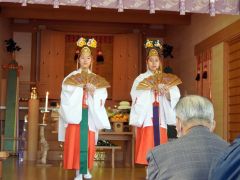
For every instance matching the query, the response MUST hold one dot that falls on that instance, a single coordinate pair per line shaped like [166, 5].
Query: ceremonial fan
[83, 78]
[152, 82]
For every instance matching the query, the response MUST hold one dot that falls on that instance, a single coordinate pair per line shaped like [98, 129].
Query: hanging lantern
[198, 75]
[204, 76]
[198, 69]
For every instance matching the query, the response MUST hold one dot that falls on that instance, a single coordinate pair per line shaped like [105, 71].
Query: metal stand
[44, 146]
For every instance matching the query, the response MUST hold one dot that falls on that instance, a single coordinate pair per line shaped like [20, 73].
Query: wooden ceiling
[69, 13]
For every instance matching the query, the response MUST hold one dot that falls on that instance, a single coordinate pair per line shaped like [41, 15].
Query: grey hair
[195, 108]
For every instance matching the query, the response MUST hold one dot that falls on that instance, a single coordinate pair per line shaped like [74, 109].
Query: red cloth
[145, 142]
[71, 157]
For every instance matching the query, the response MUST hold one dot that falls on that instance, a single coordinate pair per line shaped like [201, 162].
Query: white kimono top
[142, 105]
[71, 108]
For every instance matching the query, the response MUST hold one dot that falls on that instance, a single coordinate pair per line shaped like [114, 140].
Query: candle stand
[44, 146]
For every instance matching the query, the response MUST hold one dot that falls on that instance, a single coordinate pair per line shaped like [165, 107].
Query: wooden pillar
[33, 119]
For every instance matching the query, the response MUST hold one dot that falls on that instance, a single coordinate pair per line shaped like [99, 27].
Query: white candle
[46, 101]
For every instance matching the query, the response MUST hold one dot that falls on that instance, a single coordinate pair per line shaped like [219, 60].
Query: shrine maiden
[153, 101]
[82, 113]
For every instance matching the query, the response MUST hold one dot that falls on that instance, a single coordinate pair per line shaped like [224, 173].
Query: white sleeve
[140, 103]
[174, 96]
[97, 109]
[61, 129]
[71, 104]
[168, 107]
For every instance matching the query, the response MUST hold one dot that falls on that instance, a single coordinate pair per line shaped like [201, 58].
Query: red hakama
[71, 157]
[145, 142]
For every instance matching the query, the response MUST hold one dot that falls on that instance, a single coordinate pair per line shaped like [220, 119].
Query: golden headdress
[85, 45]
[156, 48]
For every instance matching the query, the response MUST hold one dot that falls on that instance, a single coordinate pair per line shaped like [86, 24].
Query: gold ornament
[153, 52]
[86, 51]
[34, 93]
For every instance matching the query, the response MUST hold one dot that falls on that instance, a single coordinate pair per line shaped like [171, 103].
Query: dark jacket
[227, 165]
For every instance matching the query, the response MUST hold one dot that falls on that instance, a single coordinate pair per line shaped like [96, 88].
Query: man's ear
[213, 126]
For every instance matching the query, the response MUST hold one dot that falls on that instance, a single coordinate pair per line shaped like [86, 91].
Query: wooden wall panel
[234, 127]
[234, 55]
[120, 67]
[234, 64]
[234, 117]
[52, 56]
[133, 64]
[125, 64]
[234, 100]
[234, 89]
[234, 109]
[234, 73]
[235, 47]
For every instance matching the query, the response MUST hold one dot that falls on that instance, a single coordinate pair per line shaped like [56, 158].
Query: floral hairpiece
[87, 42]
[163, 49]
[152, 44]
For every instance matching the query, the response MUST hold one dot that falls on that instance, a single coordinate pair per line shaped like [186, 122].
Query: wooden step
[55, 146]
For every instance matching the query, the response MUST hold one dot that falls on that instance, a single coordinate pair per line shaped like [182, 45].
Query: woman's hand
[90, 88]
[164, 90]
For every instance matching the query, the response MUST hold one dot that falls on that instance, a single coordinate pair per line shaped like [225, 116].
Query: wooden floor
[14, 170]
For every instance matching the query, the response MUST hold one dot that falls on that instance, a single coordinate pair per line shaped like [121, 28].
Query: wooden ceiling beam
[86, 27]
[95, 15]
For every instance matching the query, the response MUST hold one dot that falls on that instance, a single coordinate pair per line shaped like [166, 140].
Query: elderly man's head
[194, 110]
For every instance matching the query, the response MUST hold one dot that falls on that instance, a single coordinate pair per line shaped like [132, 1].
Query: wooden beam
[86, 27]
[226, 34]
[95, 15]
